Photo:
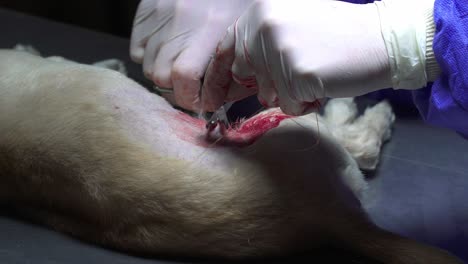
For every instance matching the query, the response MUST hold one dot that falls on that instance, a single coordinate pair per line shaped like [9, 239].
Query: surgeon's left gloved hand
[296, 52]
[174, 39]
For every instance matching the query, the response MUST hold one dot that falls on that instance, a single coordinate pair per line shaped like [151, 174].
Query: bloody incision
[239, 134]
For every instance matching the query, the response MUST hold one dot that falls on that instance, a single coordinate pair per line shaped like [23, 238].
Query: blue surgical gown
[445, 101]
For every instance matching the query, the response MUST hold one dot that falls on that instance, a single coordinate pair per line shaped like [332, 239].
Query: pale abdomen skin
[93, 154]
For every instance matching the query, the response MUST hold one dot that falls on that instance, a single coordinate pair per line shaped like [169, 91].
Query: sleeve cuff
[432, 67]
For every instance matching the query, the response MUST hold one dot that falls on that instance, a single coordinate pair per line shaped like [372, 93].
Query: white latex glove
[175, 40]
[295, 52]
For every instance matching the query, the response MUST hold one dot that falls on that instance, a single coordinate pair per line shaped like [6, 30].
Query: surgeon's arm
[445, 102]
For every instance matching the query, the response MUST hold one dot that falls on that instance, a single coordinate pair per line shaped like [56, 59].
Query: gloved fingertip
[136, 54]
[216, 85]
[161, 76]
[186, 90]
[293, 108]
[310, 107]
[242, 73]
[263, 102]
[195, 104]
[227, 43]
[276, 102]
[148, 74]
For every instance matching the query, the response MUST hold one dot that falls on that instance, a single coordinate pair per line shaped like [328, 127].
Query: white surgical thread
[318, 138]
[203, 153]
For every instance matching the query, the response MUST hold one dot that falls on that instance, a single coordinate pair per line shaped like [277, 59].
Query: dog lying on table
[91, 153]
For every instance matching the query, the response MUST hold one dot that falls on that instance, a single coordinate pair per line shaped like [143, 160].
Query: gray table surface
[420, 189]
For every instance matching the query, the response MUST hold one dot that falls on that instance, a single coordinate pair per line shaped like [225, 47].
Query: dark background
[110, 16]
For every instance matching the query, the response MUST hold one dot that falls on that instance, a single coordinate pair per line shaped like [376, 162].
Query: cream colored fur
[91, 153]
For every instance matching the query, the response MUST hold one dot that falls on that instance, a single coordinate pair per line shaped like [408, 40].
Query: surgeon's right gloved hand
[295, 52]
[175, 39]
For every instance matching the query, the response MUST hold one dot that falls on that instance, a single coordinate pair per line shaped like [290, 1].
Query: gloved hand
[295, 52]
[175, 40]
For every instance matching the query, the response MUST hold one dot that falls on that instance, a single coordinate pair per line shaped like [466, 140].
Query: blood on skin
[252, 129]
[245, 133]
